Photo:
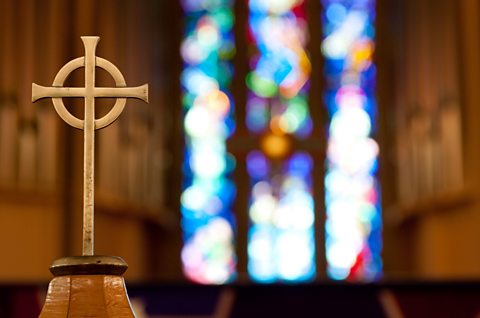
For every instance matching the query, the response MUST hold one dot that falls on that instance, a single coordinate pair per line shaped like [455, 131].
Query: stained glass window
[208, 254]
[353, 225]
[279, 161]
[281, 243]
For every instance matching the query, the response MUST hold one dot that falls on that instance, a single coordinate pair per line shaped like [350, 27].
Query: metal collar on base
[89, 265]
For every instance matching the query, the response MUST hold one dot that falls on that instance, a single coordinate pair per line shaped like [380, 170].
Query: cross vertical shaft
[90, 44]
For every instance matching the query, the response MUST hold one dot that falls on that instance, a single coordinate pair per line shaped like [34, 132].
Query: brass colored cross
[89, 124]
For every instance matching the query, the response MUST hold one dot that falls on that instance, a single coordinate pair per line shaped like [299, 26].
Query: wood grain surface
[87, 296]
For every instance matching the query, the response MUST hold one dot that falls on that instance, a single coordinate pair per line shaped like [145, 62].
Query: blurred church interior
[297, 158]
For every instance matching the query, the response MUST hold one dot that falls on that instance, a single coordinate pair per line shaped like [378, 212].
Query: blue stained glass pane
[352, 197]
[281, 243]
[208, 254]
[280, 66]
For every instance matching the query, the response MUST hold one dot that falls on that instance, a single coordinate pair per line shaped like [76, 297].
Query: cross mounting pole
[89, 124]
[89, 145]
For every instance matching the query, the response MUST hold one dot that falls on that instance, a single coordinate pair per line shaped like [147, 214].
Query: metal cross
[89, 124]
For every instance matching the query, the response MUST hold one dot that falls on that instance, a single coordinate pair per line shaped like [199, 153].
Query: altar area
[421, 299]
[230, 194]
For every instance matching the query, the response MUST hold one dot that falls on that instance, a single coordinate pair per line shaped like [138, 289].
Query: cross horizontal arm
[139, 92]
[39, 92]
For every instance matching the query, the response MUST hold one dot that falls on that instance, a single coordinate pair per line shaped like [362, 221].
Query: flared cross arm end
[142, 93]
[38, 92]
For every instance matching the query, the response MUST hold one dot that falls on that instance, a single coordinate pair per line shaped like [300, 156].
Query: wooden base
[87, 286]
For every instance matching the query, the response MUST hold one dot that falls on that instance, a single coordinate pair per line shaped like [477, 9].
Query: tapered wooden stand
[87, 286]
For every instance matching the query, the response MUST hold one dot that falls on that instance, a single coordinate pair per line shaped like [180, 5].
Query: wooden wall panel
[432, 219]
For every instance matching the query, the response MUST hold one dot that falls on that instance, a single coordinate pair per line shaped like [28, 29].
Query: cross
[89, 124]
